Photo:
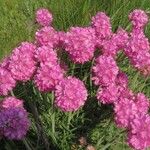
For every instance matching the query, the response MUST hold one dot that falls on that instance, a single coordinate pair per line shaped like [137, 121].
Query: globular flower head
[47, 36]
[44, 17]
[109, 48]
[138, 18]
[70, 94]
[141, 61]
[11, 102]
[120, 38]
[125, 110]
[142, 102]
[22, 63]
[138, 136]
[105, 70]
[14, 123]
[137, 43]
[129, 107]
[137, 50]
[47, 77]
[101, 24]
[7, 83]
[46, 54]
[80, 44]
[115, 43]
[108, 95]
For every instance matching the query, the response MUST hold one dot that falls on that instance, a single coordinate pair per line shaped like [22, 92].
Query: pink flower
[80, 44]
[101, 24]
[44, 17]
[138, 18]
[142, 103]
[11, 102]
[70, 94]
[115, 43]
[47, 36]
[105, 71]
[7, 83]
[46, 54]
[120, 38]
[125, 110]
[138, 136]
[22, 64]
[47, 77]
[109, 47]
[137, 50]
[108, 95]
[128, 108]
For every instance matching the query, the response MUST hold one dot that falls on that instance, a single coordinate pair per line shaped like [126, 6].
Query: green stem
[26, 144]
[53, 112]
[12, 93]
[70, 116]
[72, 69]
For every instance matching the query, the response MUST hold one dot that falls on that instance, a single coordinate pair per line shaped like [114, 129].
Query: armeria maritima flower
[46, 54]
[138, 18]
[126, 109]
[47, 77]
[22, 62]
[70, 94]
[105, 70]
[44, 17]
[80, 44]
[108, 95]
[101, 24]
[47, 36]
[7, 83]
[11, 102]
[138, 136]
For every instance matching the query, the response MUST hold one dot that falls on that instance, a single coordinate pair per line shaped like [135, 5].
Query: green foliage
[93, 121]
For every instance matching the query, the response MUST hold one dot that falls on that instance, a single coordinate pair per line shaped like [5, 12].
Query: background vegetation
[94, 121]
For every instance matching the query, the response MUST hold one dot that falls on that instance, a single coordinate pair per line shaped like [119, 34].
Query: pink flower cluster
[40, 62]
[137, 49]
[44, 17]
[22, 63]
[130, 110]
[80, 44]
[70, 94]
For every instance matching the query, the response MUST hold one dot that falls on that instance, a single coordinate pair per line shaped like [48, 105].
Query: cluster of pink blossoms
[137, 48]
[130, 110]
[40, 62]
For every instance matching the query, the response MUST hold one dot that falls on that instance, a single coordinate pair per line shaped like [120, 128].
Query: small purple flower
[14, 123]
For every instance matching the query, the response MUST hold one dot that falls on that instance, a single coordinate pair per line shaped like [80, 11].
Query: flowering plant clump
[41, 63]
